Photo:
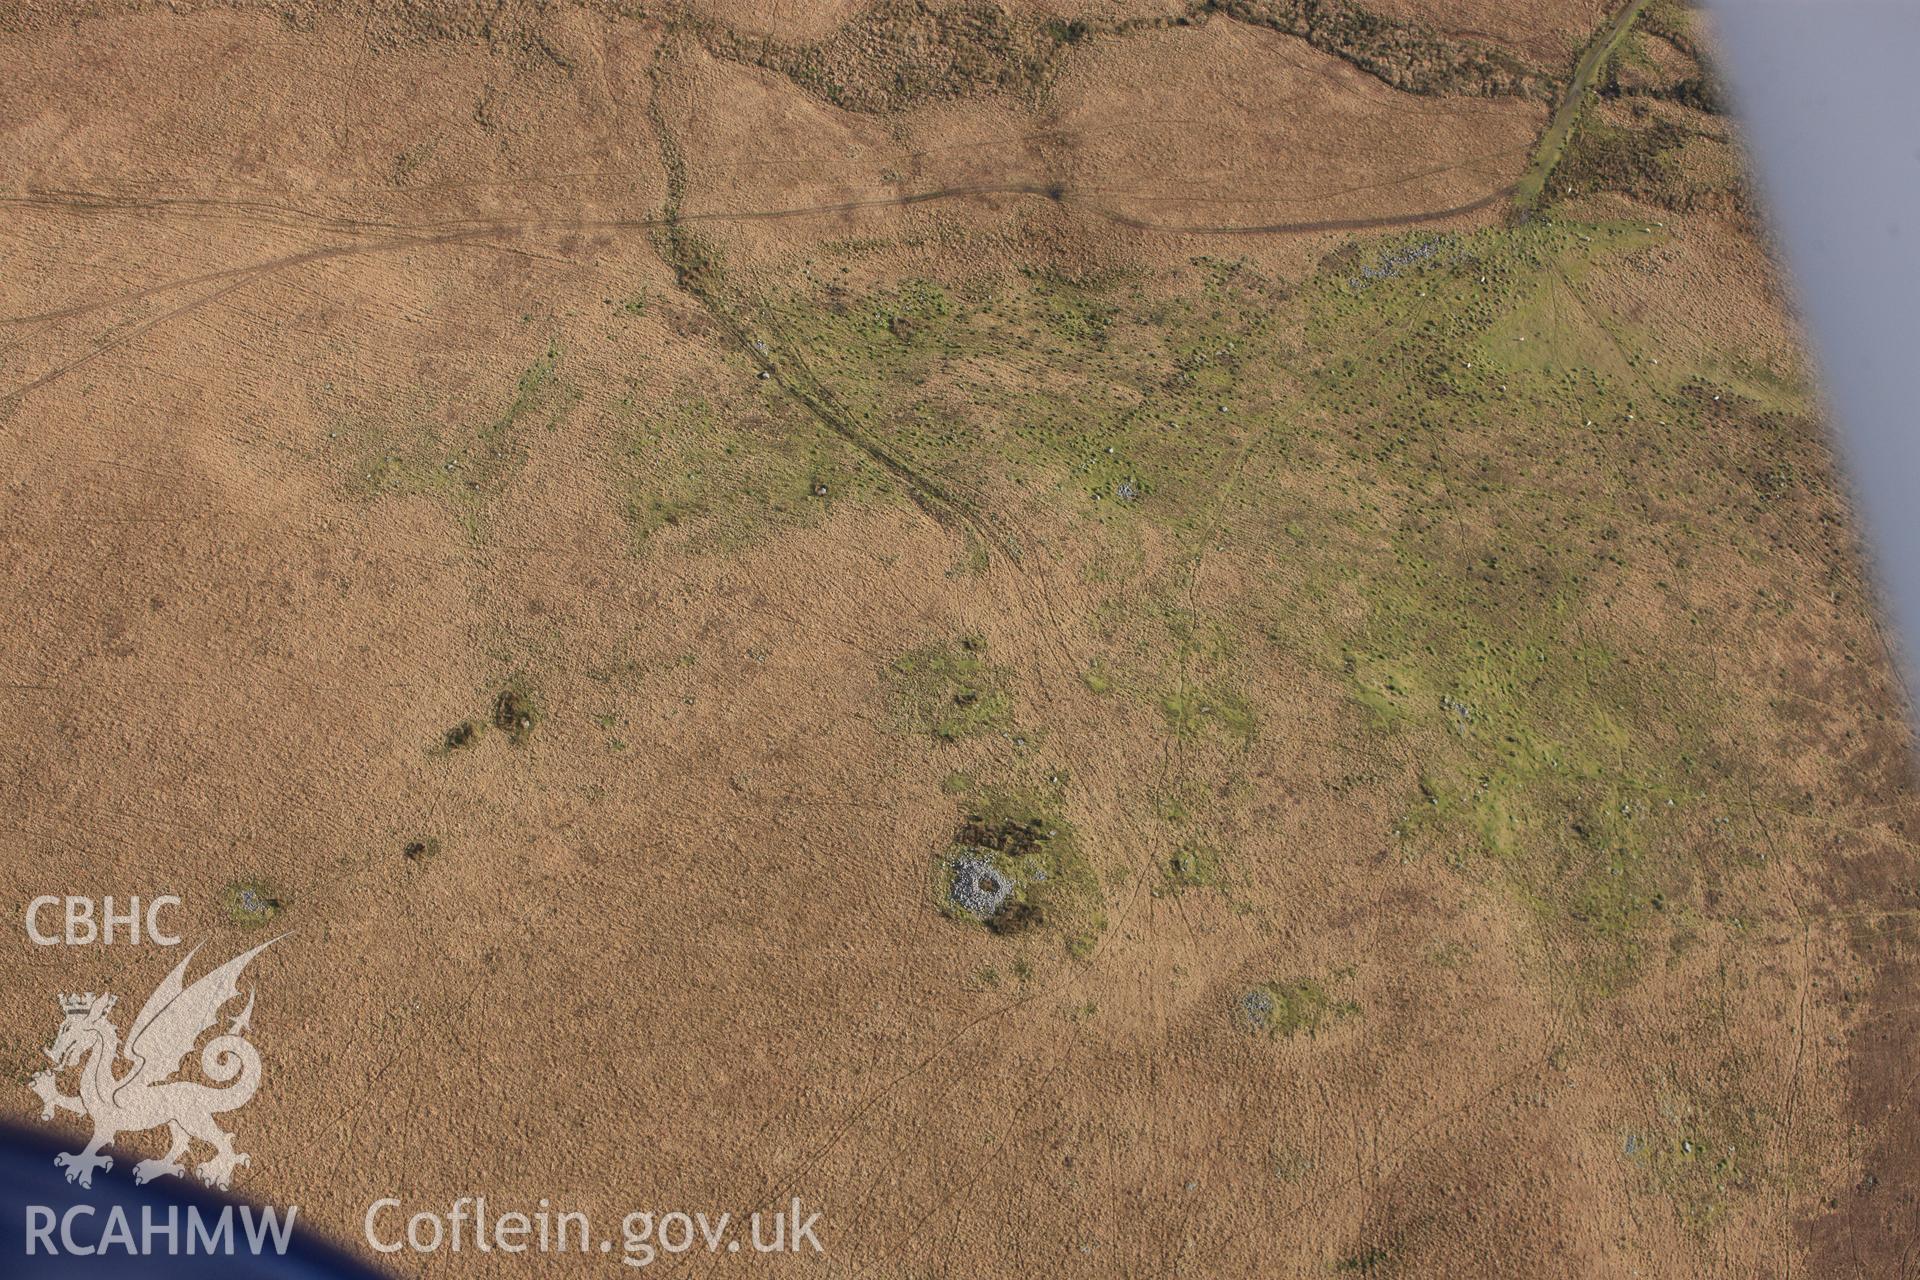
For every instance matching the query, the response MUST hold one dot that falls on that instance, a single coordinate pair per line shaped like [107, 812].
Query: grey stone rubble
[1257, 1006]
[1390, 265]
[979, 887]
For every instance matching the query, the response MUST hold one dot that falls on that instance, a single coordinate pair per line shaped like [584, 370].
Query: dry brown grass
[330, 416]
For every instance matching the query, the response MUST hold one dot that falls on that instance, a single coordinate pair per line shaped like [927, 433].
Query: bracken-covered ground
[1058, 630]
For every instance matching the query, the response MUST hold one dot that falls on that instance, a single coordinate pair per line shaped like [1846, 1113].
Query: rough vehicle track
[467, 232]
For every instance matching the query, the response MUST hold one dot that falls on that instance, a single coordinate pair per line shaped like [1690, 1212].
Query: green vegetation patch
[733, 464]
[1190, 712]
[1284, 1009]
[1524, 452]
[1443, 473]
[1207, 665]
[950, 690]
[460, 465]
[1082, 392]
[1192, 866]
[251, 903]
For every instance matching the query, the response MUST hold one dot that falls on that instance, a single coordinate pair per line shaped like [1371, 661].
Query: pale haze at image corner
[1828, 100]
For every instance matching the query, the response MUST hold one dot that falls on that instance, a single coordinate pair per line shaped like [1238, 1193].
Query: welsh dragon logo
[146, 1096]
